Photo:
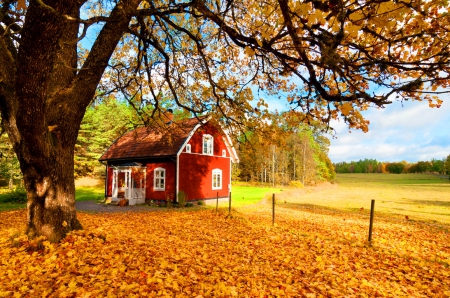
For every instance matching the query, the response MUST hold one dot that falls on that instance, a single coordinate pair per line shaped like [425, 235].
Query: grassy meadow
[94, 190]
[7, 206]
[88, 189]
[247, 195]
[419, 196]
[5, 196]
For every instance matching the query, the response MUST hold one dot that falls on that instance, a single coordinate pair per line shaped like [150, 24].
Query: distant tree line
[361, 166]
[440, 166]
[293, 153]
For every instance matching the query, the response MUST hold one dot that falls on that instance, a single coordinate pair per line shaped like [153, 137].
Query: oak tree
[330, 59]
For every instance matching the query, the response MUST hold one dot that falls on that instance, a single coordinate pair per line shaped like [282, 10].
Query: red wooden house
[191, 156]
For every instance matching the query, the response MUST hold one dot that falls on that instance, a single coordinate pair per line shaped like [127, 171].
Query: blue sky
[414, 132]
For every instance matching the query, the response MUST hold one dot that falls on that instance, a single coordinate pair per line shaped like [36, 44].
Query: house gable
[222, 145]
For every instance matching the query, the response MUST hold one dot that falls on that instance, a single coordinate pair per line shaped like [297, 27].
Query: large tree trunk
[51, 195]
[43, 99]
[46, 122]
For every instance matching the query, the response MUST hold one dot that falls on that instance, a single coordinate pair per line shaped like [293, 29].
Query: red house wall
[109, 179]
[170, 181]
[195, 168]
[196, 175]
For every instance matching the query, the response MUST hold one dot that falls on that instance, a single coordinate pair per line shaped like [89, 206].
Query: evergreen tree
[102, 124]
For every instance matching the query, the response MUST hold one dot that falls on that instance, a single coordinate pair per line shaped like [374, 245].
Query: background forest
[288, 154]
[440, 166]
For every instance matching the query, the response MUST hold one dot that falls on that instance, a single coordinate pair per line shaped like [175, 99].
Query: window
[207, 144]
[217, 179]
[224, 153]
[188, 148]
[159, 182]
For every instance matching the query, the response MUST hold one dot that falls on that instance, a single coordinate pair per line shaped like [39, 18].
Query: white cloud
[413, 132]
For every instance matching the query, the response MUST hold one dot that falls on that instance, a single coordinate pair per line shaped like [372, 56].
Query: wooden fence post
[372, 207]
[273, 209]
[229, 206]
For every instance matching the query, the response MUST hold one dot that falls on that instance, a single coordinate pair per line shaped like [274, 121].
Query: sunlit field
[418, 196]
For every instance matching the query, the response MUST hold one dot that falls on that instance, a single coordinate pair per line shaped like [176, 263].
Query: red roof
[146, 142]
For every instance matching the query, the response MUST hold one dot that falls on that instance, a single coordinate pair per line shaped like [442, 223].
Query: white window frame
[188, 148]
[157, 179]
[217, 179]
[224, 153]
[209, 145]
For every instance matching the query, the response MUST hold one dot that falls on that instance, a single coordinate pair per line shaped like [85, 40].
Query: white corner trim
[230, 147]
[188, 139]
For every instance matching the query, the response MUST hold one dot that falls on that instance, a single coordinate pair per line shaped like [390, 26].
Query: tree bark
[43, 99]
[46, 126]
[51, 196]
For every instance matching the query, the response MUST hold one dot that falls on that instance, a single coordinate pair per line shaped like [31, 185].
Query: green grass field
[7, 206]
[246, 195]
[10, 206]
[418, 196]
[84, 193]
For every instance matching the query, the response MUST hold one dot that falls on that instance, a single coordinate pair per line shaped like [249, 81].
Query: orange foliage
[207, 254]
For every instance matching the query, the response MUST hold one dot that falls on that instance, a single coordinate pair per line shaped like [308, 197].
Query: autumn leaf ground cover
[207, 254]
[312, 251]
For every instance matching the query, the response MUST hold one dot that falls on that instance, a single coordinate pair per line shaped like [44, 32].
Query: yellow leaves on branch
[317, 17]
[346, 108]
[436, 103]
[301, 9]
[206, 254]
[386, 7]
[354, 117]
[249, 51]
